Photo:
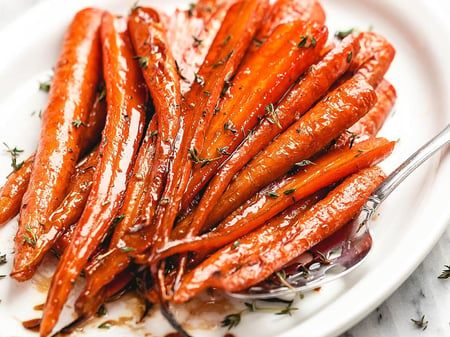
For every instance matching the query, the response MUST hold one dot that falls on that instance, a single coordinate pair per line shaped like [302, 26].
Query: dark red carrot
[126, 98]
[256, 256]
[340, 109]
[160, 73]
[71, 97]
[313, 85]
[281, 194]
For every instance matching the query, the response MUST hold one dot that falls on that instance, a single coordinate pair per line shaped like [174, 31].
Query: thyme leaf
[341, 34]
[275, 119]
[2, 259]
[272, 194]
[77, 123]
[197, 42]
[142, 61]
[232, 320]
[229, 126]
[445, 273]
[45, 86]
[14, 153]
[304, 41]
[30, 238]
[420, 323]
[305, 162]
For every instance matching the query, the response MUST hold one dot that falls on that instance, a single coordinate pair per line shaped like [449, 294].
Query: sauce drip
[32, 324]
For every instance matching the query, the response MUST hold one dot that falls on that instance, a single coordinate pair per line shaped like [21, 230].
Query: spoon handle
[410, 164]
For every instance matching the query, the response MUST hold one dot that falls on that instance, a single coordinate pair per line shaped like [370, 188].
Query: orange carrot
[373, 59]
[160, 73]
[257, 255]
[300, 98]
[307, 136]
[70, 209]
[12, 192]
[133, 203]
[223, 57]
[126, 98]
[71, 96]
[279, 195]
[252, 90]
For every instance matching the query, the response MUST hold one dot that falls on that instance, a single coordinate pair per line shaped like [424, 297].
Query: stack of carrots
[205, 149]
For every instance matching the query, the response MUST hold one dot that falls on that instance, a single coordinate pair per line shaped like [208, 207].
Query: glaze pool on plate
[421, 77]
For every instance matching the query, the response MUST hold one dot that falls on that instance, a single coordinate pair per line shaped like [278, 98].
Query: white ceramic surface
[409, 225]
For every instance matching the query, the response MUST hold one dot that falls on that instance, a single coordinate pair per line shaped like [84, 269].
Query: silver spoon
[346, 249]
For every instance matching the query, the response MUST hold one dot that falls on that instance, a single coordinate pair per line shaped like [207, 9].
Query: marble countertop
[421, 295]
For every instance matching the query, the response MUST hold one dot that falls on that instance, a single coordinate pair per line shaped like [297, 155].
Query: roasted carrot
[12, 191]
[279, 195]
[71, 96]
[252, 91]
[16, 184]
[126, 101]
[373, 59]
[190, 35]
[160, 73]
[324, 122]
[369, 125]
[256, 256]
[223, 58]
[133, 203]
[70, 209]
[284, 11]
[300, 98]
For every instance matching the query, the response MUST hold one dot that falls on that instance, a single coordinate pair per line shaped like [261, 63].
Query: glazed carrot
[284, 11]
[279, 195]
[369, 125]
[70, 209]
[12, 191]
[63, 241]
[70, 99]
[300, 98]
[16, 184]
[159, 70]
[373, 59]
[126, 100]
[223, 57]
[190, 35]
[340, 109]
[264, 251]
[133, 203]
[252, 90]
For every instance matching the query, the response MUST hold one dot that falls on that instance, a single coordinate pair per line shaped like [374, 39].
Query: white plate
[410, 222]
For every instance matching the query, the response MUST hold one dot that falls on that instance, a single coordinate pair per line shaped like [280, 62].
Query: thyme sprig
[14, 152]
[420, 323]
[30, 238]
[193, 154]
[445, 273]
[142, 61]
[232, 320]
[274, 118]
